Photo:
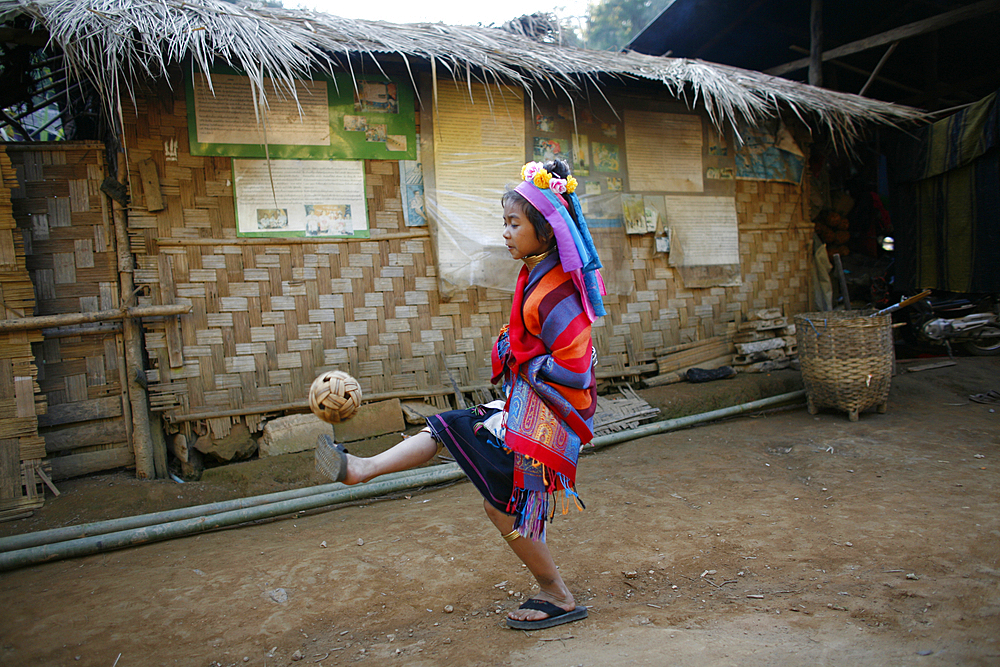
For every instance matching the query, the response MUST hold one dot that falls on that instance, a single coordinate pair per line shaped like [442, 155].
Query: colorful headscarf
[577, 253]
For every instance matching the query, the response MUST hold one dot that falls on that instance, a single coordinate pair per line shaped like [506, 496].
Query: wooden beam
[86, 434]
[142, 450]
[863, 72]
[80, 411]
[75, 465]
[896, 34]
[95, 329]
[289, 240]
[878, 68]
[816, 43]
[65, 319]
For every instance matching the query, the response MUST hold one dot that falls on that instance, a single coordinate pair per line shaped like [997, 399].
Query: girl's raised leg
[410, 453]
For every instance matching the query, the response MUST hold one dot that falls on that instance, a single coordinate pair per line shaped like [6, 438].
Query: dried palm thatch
[117, 42]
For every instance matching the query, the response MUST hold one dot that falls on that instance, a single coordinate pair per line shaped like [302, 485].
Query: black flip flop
[989, 397]
[331, 458]
[557, 615]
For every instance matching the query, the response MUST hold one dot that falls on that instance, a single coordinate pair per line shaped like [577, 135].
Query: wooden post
[816, 43]
[844, 293]
[142, 440]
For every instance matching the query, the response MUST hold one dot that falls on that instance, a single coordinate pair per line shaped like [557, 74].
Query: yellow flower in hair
[570, 185]
[542, 179]
[529, 170]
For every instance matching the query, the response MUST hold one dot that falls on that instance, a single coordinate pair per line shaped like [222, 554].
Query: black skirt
[483, 458]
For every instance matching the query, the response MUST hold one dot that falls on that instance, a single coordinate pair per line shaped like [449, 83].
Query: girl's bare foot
[563, 601]
[359, 470]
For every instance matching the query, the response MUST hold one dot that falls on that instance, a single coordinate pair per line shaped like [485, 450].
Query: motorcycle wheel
[989, 345]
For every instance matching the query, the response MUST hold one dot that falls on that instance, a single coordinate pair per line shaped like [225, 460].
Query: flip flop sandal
[557, 615]
[331, 458]
[989, 397]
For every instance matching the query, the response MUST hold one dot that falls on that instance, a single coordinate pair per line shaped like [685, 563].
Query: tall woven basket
[846, 359]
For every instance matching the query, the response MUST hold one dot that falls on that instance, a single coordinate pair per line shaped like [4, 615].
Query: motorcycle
[972, 321]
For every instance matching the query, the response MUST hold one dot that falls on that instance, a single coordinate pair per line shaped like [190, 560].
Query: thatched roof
[114, 42]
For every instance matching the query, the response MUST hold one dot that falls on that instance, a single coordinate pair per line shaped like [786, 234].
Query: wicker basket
[847, 360]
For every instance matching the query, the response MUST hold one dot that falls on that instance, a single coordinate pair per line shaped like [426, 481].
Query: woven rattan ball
[334, 396]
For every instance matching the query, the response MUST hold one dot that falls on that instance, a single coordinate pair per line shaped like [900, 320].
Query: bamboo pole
[142, 441]
[68, 319]
[303, 405]
[289, 240]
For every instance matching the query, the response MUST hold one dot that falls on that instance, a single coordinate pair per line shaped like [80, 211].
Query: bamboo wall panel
[21, 448]
[267, 317]
[71, 259]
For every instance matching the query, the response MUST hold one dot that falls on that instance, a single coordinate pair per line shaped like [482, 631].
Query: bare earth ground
[783, 539]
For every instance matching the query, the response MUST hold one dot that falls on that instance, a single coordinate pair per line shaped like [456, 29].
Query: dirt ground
[775, 539]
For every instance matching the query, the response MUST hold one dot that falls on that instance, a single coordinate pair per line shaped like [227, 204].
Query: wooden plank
[10, 470]
[928, 367]
[74, 465]
[172, 328]
[151, 185]
[81, 411]
[87, 434]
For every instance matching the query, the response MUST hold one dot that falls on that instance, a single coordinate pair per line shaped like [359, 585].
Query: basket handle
[818, 334]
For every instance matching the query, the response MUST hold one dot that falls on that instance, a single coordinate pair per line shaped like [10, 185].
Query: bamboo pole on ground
[142, 440]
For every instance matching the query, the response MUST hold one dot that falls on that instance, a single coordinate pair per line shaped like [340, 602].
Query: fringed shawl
[547, 350]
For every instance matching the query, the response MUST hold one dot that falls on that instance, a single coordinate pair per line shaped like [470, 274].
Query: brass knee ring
[512, 535]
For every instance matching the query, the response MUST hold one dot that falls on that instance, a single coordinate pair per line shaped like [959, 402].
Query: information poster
[769, 154]
[339, 118]
[704, 230]
[479, 148]
[664, 151]
[320, 198]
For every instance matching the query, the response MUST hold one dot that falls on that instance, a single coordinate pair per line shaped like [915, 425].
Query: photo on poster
[634, 213]
[411, 182]
[662, 241]
[375, 133]
[609, 130]
[591, 188]
[720, 173]
[355, 123]
[272, 219]
[605, 157]
[614, 184]
[395, 142]
[376, 96]
[550, 149]
[329, 220]
[545, 123]
[655, 211]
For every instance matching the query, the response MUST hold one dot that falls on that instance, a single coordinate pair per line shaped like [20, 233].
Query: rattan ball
[335, 396]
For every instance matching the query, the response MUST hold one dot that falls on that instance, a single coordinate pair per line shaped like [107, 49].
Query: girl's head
[517, 210]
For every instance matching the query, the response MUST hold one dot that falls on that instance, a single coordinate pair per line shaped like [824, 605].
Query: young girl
[521, 452]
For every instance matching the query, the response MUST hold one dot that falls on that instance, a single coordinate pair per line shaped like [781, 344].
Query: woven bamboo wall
[72, 262]
[268, 316]
[21, 448]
